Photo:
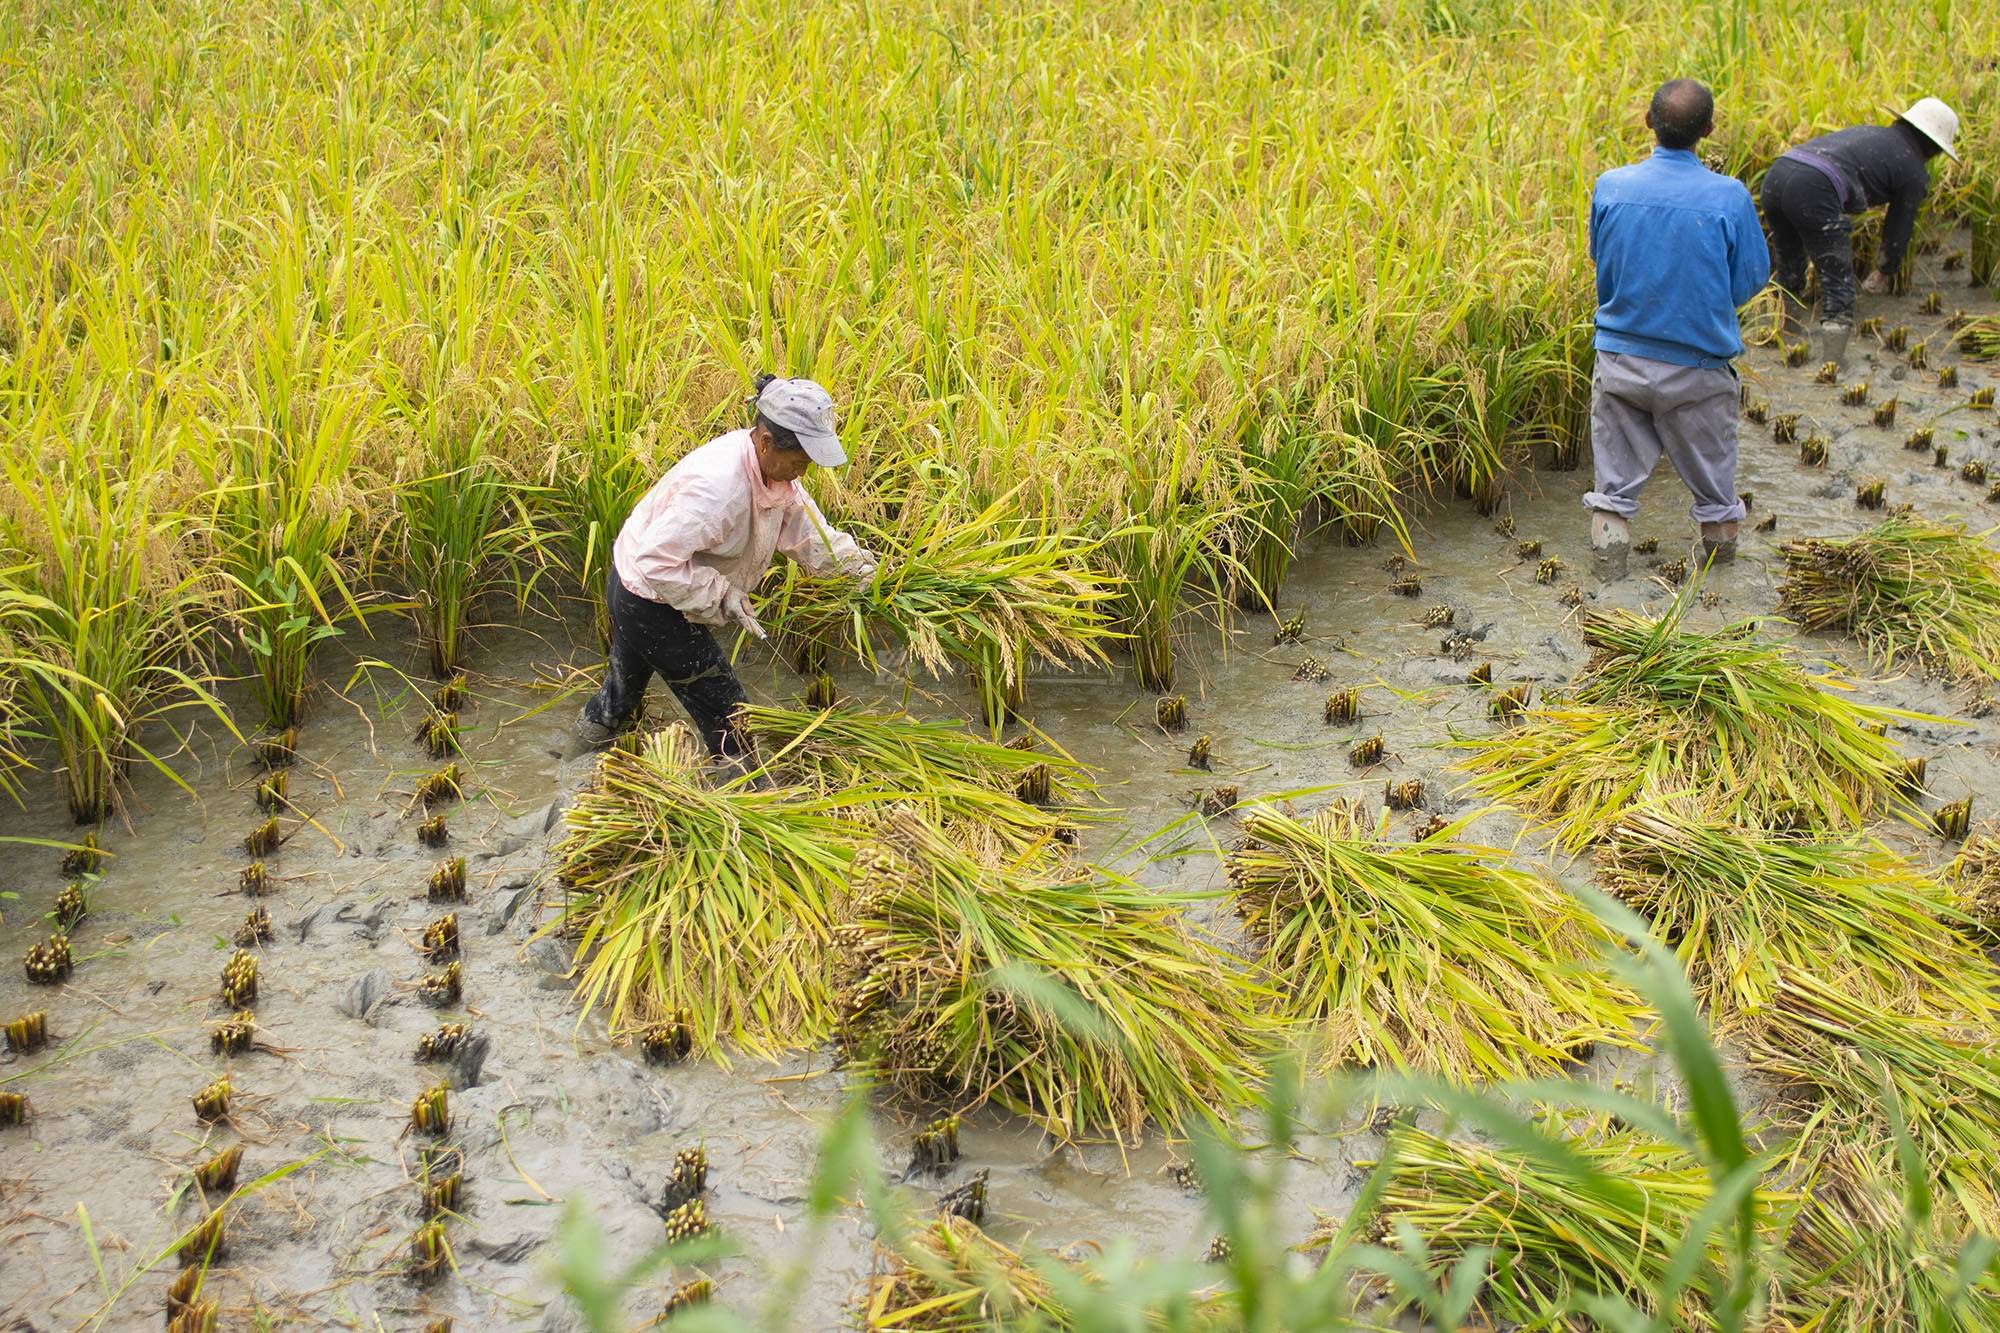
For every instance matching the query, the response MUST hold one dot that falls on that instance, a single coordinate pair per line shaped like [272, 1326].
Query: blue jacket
[1678, 249]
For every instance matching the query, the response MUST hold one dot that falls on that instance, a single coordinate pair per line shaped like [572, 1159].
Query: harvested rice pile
[1663, 710]
[1838, 1057]
[1974, 879]
[1740, 908]
[1076, 999]
[1432, 955]
[713, 903]
[1612, 1224]
[1909, 588]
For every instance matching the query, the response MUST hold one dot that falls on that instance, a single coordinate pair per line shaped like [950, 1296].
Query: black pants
[1802, 210]
[649, 637]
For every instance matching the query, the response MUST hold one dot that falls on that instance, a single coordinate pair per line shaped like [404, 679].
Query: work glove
[1875, 283]
[864, 564]
[736, 606]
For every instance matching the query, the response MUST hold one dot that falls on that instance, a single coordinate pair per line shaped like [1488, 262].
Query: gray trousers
[1640, 408]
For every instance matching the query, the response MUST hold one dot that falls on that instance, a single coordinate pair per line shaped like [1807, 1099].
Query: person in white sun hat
[697, 544]
[1812, 190]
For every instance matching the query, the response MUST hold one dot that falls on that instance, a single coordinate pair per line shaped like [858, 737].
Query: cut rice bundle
[1909, 588]
[713, 903]
[1560, 1237]
[1663, 710]
[952, 772]
[1740, 908]
[1432, 955]
[946, 958]
[1839, 1055]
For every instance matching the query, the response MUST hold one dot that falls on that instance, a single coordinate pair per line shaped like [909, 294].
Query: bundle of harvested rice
[712, 903]
[1432, 955]
[1908, 588]
[991, 592]
[952, 773]
[1974, 881]
[1980, 336]
[1740, 907]
[1860, 1263]
[1663, 710]
[1844, 1055]
[946, 967]
[953, 1276]
[1559, 1238]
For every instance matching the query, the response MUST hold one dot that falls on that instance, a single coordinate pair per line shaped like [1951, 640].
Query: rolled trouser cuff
[1611, 504]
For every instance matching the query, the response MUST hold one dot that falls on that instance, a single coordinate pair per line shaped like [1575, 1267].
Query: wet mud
[549, 1109]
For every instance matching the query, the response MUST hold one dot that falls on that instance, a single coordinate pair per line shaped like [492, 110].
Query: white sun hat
[1935, 121]
[806, 410]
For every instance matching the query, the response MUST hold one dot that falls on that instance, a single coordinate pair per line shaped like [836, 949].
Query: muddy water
[555, 1111]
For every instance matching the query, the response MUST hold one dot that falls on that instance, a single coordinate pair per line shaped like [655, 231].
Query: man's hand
[864, 565]
[736, 605]
[1875, 283]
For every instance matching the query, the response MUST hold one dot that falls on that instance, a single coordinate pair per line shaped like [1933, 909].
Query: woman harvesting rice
[698, 542]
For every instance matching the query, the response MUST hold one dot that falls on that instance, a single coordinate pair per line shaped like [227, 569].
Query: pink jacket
[713, 522]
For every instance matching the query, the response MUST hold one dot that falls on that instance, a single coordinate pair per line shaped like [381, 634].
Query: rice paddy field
[1235, 689]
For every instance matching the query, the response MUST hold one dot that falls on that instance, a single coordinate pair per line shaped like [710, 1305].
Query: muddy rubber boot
[590, 735]
[1610, 546]
[1718, 543]
[1792, 317]
[1833, 343]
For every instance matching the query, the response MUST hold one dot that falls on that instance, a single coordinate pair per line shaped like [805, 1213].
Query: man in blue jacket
[1678, 250]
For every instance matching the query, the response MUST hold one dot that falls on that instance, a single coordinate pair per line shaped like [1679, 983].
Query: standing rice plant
[712, 902]
[1661, 709]
[114, 615]
[992, 592]
[281, 531]
[1612, 1214]
[460, 529]
[623, 376]
[283, 491]
[1171, 544]
[1908, 588]
[17, 608]
[461, 536]
[1064, 994]
[1284, 460]
[1742, 908]
[1430, 956]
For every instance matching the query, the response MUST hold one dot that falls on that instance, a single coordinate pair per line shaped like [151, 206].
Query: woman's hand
[736, 606]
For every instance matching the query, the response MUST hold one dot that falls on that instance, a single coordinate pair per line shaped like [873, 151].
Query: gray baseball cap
[806, 410]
